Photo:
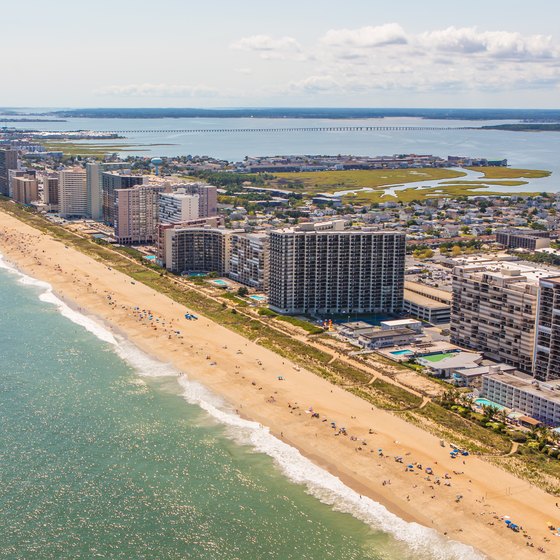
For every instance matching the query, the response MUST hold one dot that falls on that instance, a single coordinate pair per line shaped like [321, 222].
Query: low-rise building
[523, 239]
[382, 338]
[534, 398]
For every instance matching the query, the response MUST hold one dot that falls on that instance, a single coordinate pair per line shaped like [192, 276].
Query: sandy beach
[465, 499]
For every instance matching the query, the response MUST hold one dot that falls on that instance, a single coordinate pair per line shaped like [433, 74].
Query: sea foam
[424, 542]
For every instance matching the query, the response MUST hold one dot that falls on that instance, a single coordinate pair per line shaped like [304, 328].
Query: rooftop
[549, 390]
[428, 290]
[505, 270]
[424, 301]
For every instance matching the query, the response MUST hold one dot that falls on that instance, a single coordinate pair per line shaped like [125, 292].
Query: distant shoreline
[307, 113]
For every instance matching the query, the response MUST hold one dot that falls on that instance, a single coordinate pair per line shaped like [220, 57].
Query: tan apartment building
[494, 310]
[197, 249]
[25, 189]
[547, 346]
[136, 214]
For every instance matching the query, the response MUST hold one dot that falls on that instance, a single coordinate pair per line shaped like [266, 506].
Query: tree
[242, 291]
[456, 251]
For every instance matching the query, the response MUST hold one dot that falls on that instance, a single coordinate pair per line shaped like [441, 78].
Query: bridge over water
[293, 129]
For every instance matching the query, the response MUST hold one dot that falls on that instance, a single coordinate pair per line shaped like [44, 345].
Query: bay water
[156, 137]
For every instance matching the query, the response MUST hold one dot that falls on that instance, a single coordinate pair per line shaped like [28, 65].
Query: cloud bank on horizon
[356, 63]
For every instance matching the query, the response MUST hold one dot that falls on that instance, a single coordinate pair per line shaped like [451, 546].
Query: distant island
[28, 120]
[309, 113]
[526, 127]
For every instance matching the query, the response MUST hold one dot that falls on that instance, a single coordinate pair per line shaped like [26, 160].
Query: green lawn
[331, 181]
[509, 173]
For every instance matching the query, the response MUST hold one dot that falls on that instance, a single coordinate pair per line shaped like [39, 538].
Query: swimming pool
[486, 402]
[220, 282]
[402, 352]
[258, 298]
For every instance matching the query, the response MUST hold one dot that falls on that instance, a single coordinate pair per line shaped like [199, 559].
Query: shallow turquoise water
[98, 461]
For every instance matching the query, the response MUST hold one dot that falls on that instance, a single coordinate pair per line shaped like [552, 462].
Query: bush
[265, 312]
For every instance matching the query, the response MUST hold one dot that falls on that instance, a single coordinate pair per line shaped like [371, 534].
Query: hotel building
[494, 310]
[540, 401]
[207, 197]
[523, 239]
[111, 181]
[8, 160]
[249, 259]
[51, 191]
[136, 214]
[94, 172]
[197, 249]
[547, 344]
[178, 207]
[25, 189]
[325, 268]
[72, 193]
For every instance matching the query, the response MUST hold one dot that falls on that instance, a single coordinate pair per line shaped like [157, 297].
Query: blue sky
[360, 53]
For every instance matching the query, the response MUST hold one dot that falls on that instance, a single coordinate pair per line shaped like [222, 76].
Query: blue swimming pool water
[220, 282]
[402, 352]
[258, 298]
[486, 402]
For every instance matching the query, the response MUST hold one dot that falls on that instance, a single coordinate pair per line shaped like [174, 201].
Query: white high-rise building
[178, 207]
[208, 197]
[248, 259]
[325, 268]
[72, 199]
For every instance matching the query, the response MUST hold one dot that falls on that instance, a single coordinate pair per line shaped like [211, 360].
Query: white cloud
[386, 58]
[157, 90]
[497, 44]
[382, 35]
[269, 47]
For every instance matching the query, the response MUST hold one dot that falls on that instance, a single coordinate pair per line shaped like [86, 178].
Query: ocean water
[105, 453]
[536, 150]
